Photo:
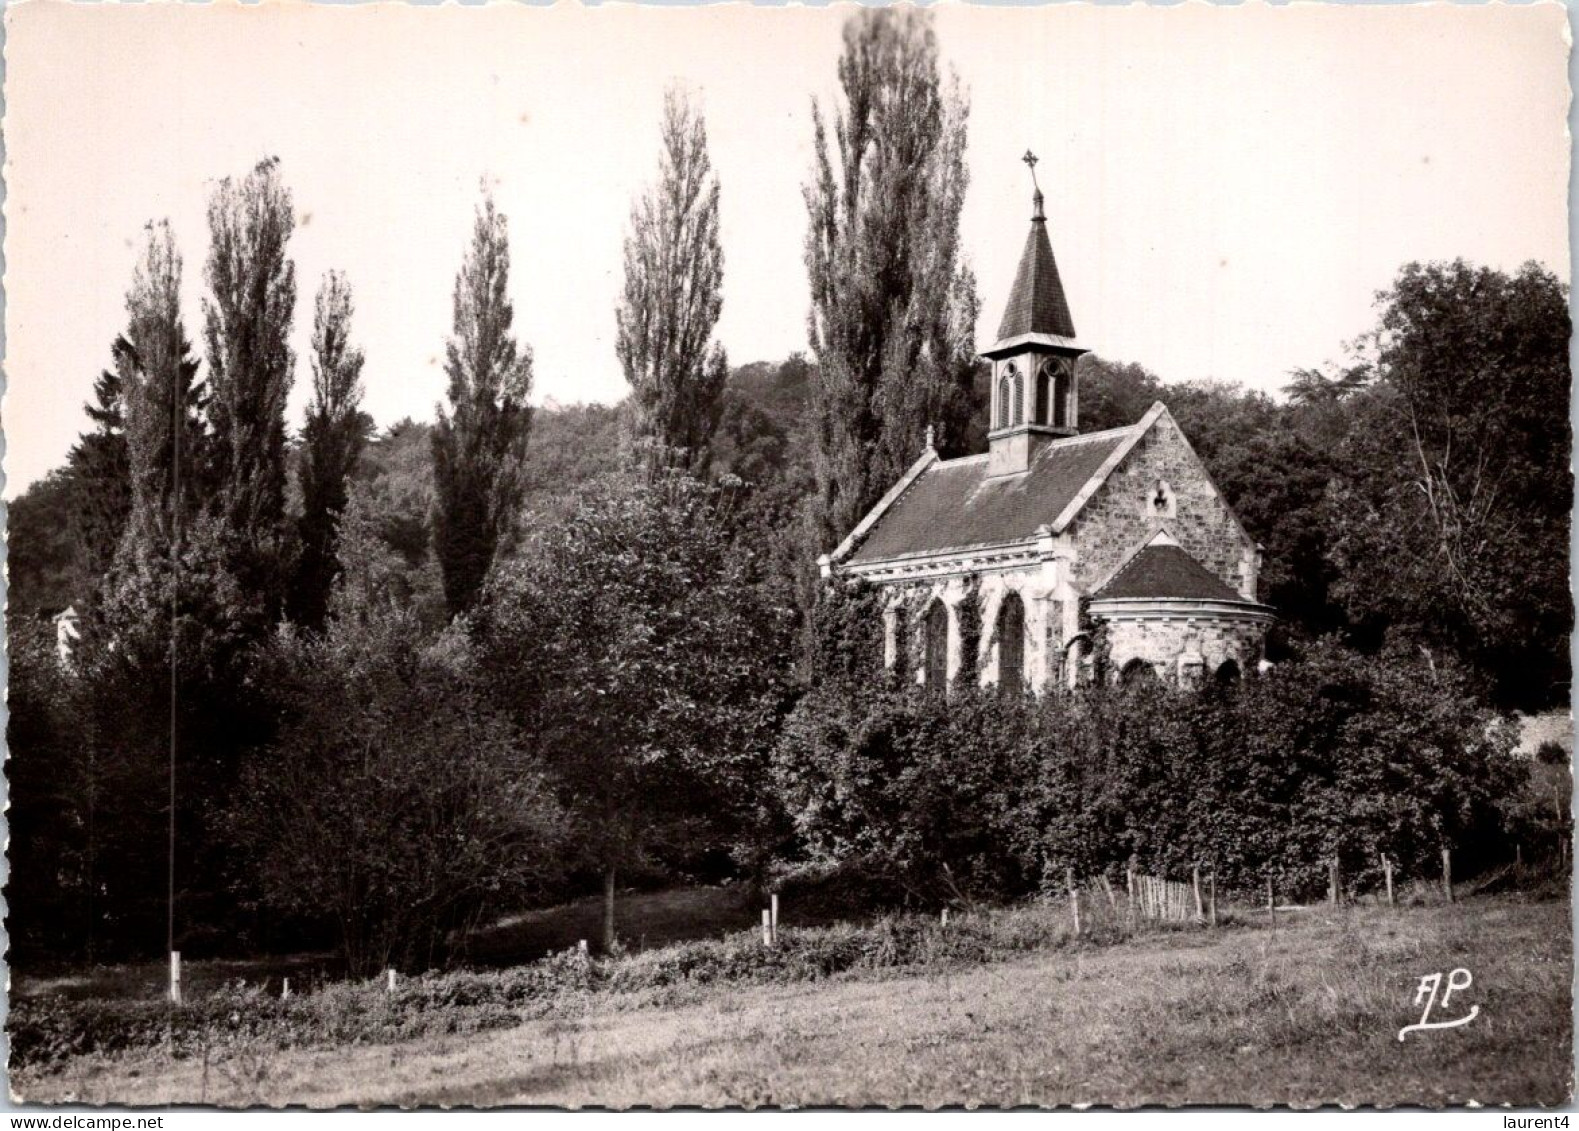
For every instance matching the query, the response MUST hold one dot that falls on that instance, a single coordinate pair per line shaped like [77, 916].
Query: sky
[1227, 187]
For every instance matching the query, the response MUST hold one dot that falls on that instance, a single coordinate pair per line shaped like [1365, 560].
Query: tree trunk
[608, 909]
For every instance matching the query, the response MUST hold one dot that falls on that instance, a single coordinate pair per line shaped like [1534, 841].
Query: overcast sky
[1226, 187]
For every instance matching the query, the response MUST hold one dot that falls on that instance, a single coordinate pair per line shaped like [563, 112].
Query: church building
[1057, 557]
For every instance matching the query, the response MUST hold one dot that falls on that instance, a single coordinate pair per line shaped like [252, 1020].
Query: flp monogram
[1458, 980]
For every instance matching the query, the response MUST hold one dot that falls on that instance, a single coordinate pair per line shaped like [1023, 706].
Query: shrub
[986, 796]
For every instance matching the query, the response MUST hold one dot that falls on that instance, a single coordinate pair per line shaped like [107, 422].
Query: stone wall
[1119, 518]
[1210, 642]
[908, 603]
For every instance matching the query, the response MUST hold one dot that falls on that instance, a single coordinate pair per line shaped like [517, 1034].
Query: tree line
[442, 671]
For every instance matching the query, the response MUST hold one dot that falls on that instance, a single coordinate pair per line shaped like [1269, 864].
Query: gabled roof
[1037, 304]
[1164, 570]
[954, 504]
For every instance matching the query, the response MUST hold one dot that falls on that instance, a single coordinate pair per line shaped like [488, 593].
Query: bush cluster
[990, 796]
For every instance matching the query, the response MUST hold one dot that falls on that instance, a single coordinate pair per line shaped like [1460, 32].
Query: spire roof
[1037, 304]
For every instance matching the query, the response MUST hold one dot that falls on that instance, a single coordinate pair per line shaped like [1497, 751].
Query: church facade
[1058, 557]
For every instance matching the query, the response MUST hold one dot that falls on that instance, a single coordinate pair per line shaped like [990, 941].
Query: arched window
[1019, 399]
[1011, 643]
[1005, 396]
[1228, 672]
[1137, 672]
[1042, 412]
[936, 627]
[1061, 398]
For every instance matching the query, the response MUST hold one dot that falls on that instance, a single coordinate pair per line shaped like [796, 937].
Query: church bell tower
[1035, 395]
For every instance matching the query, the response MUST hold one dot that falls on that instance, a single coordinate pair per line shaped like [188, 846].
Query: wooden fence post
[774, 911]
[175, 977]
[1129, 893]
[1195, 882]
[1332, 880]
[945, 916]
[1447, 873]
[1387, 873]
[391, 973]
[1211, 895]
[767, 927]
[1271, 905]
[1074, 897]
[285, 989]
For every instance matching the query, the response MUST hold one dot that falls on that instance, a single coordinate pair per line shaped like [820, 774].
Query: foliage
[674, 269]
[980, 796]
[100, 470]
[332, 442]
[45, 560]
[893, 311]
[642, 650]
[247, 327]
[1451, 510]
[156, 372]
[394, 801]
[51, 787]
[480, 440]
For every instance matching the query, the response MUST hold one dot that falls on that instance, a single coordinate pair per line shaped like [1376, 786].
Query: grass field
[1306, 1014]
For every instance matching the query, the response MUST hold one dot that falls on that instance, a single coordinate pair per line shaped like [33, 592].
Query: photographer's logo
[1457, 981]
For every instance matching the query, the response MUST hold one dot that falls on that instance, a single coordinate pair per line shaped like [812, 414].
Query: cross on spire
[1030, 160]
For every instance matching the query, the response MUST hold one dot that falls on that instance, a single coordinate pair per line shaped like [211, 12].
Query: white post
[391, 973]
[285, 990]
[175, 976]
[582, 947]
[775, 916]
[945, 916]
[767, 927]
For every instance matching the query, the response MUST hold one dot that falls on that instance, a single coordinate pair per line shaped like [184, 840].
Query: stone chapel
[1080, 555]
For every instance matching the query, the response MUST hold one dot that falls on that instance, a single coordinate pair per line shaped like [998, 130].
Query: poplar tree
[247, 325]
[892, 310]
[332, 441]
[155, 370]
[479, 442]
[674, 267]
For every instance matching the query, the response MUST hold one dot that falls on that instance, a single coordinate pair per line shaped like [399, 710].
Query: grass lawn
[1306, 1014]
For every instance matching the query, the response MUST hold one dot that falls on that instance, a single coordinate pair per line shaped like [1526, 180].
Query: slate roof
[953, 504]
[1161, 571]
[1036, 303]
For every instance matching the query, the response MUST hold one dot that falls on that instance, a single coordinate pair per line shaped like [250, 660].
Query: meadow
[996, 1008]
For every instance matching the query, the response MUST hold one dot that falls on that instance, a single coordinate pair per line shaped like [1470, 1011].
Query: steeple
[1036, 301]
[1034, 393]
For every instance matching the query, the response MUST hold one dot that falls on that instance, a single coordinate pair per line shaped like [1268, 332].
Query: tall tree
[155, 370]
[247, 325]
[480, 442]
[1451, 506]
[651, 680]
[100, 471]
[332, 441]
[892, 311]
[674, 269]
